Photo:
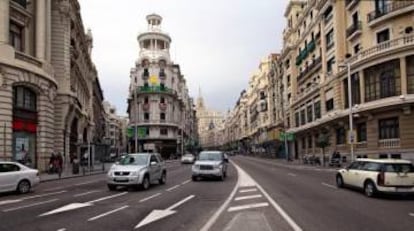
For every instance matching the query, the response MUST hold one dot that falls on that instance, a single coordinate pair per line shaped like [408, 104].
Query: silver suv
[138, 169]
[210, 164]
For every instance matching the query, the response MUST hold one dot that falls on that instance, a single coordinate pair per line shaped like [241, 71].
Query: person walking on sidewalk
[58, 163]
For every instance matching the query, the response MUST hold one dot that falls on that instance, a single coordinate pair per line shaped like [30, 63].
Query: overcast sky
[217, 43]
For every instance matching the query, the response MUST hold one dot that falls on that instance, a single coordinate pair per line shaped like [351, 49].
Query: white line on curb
[249, 206]
[150, 197]
[107, 213]
[247, 197]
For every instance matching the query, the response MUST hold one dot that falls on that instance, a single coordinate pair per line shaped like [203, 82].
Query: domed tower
[157, 97]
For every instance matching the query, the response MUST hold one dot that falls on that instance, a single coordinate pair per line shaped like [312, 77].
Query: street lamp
[347, 64]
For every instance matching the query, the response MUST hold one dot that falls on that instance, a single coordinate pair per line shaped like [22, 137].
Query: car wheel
[369, 189]
[111, 187]
[339, 181]
[163, 178]
[145, 183]
[23, 186]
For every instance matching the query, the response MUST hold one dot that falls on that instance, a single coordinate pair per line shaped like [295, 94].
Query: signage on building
[289, 136]
[149, 146]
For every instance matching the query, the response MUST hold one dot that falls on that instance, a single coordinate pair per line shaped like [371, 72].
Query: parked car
[390, 176]
[138, 169]
[17, 177]
[188, 159]
[210, 164]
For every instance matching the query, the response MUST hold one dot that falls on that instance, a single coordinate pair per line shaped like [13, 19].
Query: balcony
[350, 4]
[392, 9]
[305, 52]
[389, 143]
[27, 58]
[155, 90]
[354, 30]
[310, 68]
[383, 48]
[22, 3]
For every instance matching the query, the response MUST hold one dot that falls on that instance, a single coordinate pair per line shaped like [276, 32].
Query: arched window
[387, 84]
[24, 98]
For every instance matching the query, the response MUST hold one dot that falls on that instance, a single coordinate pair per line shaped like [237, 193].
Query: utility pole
[136, 118]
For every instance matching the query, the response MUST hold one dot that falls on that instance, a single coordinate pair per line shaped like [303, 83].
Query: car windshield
[134, 160]
[210, 156]
[188, 155]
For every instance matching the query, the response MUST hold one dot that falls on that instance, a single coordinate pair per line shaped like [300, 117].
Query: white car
[210, 164]
[388, 176]
[138, 169]
[188, 159]
[17, 177]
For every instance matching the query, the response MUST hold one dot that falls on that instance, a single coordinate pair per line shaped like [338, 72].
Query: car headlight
[135, 173]
[218, 166]
[195, 167]
[110, 172]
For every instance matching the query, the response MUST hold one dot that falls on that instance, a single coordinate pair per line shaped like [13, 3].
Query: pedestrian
[51, 163]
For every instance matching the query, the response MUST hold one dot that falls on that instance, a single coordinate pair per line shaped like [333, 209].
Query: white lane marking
[150, 197]
[249, 206]
[185, 182]
[172, 188]
[248, 190]
[42, 195]
[107, 213]
[108, 197]
[87, 182]
[29, 205]
[157, 214]
[282, 212]
[247, 197]
[411, 214]
[62, 229]
[86, 193]
[55, 188]
[292, 174]
[328, 185]
[5, 202]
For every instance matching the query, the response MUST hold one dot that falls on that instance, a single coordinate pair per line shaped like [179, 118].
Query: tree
[323, 142]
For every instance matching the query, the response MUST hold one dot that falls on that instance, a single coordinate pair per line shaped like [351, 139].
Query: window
[146, 72]
[162, 86]
[146, 100]
[297, 121]
[330, 64]
[389, 128]
[410, 74]
[153, 159]
[9, 168]
[302, 117]
[330, 39]
[387, 83]
[340, 135]
[146, 116]
[24, 98]
[357, 48]
[310, 113]
[382, 80]
[146, 85]
[329, 105]
[355, 19]
[356, 96]
[362, 132]
[380, 7]
[164, 131]
[162, 72]
[383, 36]
[162, 116]
[310, 142]
[303, 143]
[370, 166]
[317, 109]
[288, 80]
[162, 100]
[16, 36]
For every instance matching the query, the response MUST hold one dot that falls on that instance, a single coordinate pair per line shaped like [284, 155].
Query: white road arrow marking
[79, 205]
[159, 214]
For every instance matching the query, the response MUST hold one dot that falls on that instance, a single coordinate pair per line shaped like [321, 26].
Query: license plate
[120, 179]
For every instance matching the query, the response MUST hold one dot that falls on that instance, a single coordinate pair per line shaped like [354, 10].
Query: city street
[258, 194]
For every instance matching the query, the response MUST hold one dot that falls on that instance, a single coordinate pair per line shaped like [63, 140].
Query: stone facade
[159, 106]
[47, 81]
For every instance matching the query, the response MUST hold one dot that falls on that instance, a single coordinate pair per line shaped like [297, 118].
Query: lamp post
[351, 126]
[136, 119]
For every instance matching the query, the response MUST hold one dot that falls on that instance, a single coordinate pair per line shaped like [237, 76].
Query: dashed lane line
[86, 193]
[411, 214]
[108, 197]
[248, 190]
[248, 197]
[108, 213]
[185, 182]
[62, 229]
[249, 206]
[292, 174]
[329, 185]
[29, 205]
[43, 195]
[87, 182]
[150, 197]
[172, 188]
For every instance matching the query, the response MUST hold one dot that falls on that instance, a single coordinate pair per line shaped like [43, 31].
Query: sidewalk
[67, 172]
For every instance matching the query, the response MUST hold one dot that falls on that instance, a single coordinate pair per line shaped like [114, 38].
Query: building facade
[47, 80]
[159, 105]
[375, 39]
[115, 130]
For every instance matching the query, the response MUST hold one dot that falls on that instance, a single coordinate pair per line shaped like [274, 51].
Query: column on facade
[323, 101]
[48, 30]
[403, 73]
[40, 29]
[4, 21]
[361, 86]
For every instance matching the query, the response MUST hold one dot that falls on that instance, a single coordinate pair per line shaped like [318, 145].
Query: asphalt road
[258, 194]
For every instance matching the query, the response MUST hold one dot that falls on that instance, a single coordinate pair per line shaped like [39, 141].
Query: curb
[74, 176]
